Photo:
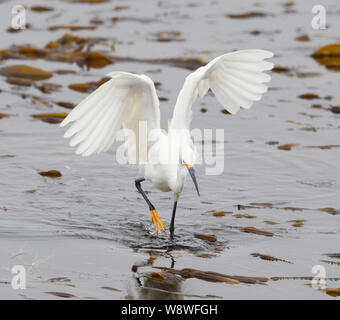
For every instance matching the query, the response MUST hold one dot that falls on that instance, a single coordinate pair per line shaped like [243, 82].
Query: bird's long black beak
[193, 176]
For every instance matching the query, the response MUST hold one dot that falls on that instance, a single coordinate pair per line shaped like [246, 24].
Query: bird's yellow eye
[188, 165]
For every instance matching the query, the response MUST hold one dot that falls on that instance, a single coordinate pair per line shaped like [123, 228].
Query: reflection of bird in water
[157, 285]
[160, 286]
[130, 101]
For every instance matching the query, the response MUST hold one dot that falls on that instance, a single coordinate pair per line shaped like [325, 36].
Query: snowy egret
[237, 79]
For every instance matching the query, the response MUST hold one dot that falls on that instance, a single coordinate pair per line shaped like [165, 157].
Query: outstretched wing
[123, 101]
[237, 79]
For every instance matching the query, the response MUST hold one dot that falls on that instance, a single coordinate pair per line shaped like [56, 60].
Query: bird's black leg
[141, 191]
[154, 214]
[172, 224]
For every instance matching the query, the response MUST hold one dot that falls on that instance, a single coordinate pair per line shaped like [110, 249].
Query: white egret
[237, 79]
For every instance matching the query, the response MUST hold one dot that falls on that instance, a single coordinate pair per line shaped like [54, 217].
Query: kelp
[211, 276]
[51, 173]
[64, 104]
[247, 15]
[26, 72]
[309, 96]
[288, 146]
[302, 37]
[20, 81]
[207, 237]
[41, 8]
[257, 231]
[88, 86]
[268, 257]
[50, 117]
[75, 49]
[72, 27]
[328, 56]
[111, 288]
[5, 115]
[259, 205]
[61, 294]
[168, 36]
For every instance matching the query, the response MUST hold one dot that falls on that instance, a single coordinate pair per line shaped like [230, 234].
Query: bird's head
[191, 170]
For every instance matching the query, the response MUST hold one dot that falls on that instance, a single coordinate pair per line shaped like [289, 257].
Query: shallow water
[91, 226]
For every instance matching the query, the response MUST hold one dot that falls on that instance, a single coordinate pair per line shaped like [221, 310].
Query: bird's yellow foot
[156, 220]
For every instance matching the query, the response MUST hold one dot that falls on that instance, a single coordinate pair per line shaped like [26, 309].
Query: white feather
[122, 101]
[87, 103]
[235, 78]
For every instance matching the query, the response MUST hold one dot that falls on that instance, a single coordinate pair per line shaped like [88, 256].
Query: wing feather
[249, 66]
[226, 96]
[255, 88]
[237, 79]
[90, 119]
[241, 92]
[250, 77]
[89, 145]
[238, 99]
[87, 103]
[123, 101]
